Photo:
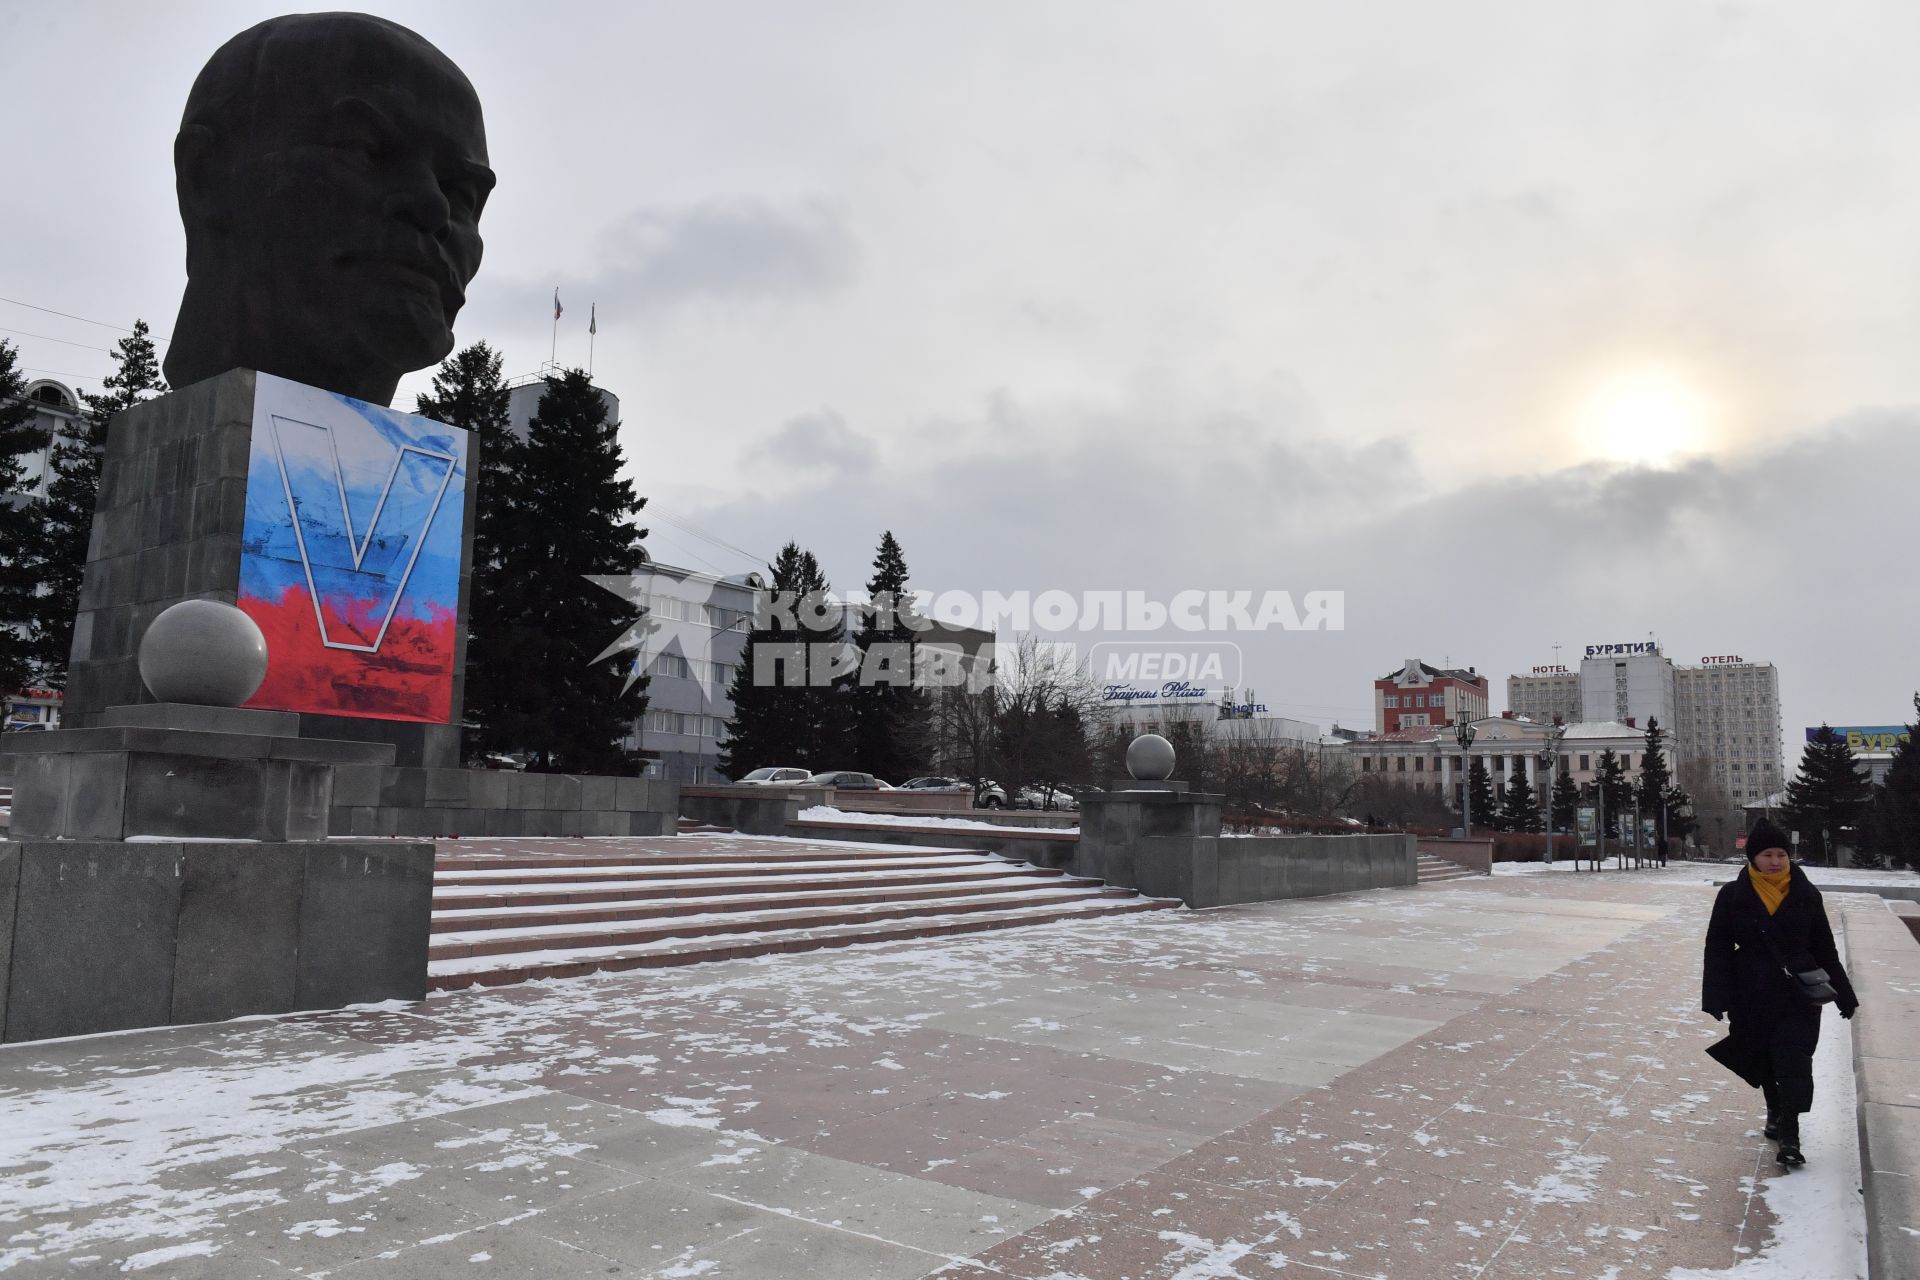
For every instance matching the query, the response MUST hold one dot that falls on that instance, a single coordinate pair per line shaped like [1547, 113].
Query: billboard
[350, 554]
[1866, 737]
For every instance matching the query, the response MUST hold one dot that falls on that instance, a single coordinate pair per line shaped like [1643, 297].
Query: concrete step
[498, 941]
[1432, 870]
[508, 911]
[508, 894]
[497, 970]
[523, 914]
[586, 863]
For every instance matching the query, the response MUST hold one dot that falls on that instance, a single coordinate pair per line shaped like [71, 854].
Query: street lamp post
[1550, 757]
[1463, 734]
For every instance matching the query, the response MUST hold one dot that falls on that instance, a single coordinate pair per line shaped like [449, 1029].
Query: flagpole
[593, 329]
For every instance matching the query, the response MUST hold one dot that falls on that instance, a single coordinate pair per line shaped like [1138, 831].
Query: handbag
[1814, 983]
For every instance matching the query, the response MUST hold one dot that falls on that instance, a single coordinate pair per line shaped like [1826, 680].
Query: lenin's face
[344, 222]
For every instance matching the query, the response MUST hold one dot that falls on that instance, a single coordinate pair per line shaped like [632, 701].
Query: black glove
[1715, 1016]
[1848, 1013]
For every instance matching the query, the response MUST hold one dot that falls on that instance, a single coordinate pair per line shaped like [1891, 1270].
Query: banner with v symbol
[360, 517]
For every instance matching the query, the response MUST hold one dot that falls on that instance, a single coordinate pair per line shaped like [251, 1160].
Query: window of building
[1393, 700]
[1586, 763]
[1419, 764]
[1366, 764]
[1399, 764]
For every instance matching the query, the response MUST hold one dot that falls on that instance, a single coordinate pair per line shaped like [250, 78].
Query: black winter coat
[1743, 979]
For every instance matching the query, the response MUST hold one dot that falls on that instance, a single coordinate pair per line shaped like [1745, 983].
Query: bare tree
[1046, 708]
[1721, 819]
[1392, 802]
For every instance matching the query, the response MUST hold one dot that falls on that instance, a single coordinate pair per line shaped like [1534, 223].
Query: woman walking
[1768, 934]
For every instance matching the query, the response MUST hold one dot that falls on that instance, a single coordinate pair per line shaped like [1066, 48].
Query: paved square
[1485, 1078]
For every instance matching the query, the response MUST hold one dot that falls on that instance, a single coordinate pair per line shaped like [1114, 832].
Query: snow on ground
[1821, 1227]
[112, 1144]
[1718, 873]
[827, 813]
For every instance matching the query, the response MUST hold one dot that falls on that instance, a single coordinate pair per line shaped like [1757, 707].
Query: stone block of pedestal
[1162, 842]
[109, 935]
[174, 771]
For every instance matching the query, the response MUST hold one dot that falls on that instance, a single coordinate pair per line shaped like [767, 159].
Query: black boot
[1789, 1154]
[1772, 1093]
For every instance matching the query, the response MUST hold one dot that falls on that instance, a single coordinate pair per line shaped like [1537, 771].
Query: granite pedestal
[1157, 837]
[178, 771]
[171, 865]
[168, 527]
[108, 935]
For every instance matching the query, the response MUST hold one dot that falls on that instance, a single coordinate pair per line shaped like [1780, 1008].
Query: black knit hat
[1765, 836]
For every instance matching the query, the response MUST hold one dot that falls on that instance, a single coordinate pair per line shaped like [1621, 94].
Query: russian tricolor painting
[350, 558]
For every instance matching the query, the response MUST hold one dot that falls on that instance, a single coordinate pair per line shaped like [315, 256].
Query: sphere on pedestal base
[203, 652]
[1150, 758]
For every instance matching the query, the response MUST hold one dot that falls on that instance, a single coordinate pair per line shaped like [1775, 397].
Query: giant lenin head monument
[332, 170]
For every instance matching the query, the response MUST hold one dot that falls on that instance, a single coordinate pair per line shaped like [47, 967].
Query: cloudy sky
[1523, 325]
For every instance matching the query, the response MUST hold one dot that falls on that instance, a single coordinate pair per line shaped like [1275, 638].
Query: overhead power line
[22, 333]
[58, 373]
[67, 315]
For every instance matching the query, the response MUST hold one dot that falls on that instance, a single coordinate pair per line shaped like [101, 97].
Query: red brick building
[1419, 696]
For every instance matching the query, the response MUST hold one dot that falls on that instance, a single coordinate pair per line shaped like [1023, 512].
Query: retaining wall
[1268, 868]
[376, 800]
[1883, 959]
[1474, 855]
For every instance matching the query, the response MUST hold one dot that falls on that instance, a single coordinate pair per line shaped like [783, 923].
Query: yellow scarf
[1771, 886]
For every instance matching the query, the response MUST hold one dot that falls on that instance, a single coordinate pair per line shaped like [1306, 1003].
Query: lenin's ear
[197, 180]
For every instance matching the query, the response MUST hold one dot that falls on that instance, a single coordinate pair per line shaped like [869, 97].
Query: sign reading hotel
[1552, 670]
[1622, 650]
[1867, 737]
[350, 554]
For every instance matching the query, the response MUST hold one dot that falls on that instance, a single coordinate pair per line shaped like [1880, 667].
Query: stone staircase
[507, 910]
[1433, 870]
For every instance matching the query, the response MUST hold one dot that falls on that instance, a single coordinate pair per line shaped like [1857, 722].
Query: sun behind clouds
[1645, 419]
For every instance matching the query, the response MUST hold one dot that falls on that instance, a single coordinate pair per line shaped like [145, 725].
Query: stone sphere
[204, 652]
[1150, 758]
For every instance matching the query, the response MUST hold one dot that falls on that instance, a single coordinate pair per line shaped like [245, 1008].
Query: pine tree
[573, 516]
[1519, 809]
[1483, 808]
[469, 392]
[20, 436]
[777, 720]
[1893, 822]
[1828, 796]
[1612, 789]
[889, 713]
[1566, 800]
[1655, 777]
[66, 523]
[1681, 821]
[826, 700]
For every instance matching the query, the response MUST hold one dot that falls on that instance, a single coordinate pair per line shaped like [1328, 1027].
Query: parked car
[778, 777]
[847, 780]
[1046, 798]
[988, 795]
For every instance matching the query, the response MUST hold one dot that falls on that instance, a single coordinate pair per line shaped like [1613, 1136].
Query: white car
[1059, 799]
[777, 777]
